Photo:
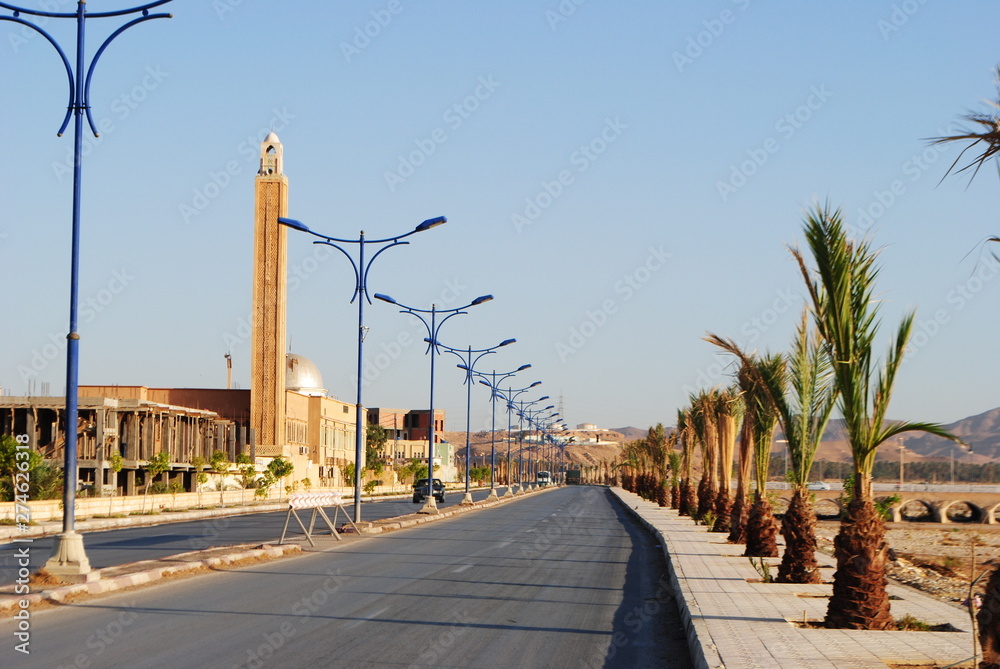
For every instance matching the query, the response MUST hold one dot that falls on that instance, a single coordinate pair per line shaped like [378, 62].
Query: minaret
[270, 278]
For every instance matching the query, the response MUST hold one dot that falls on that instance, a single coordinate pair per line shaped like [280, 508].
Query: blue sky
[622, 177]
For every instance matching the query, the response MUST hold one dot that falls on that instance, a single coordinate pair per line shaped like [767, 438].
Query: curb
[104, 585]
[703, 656]
[57, 594]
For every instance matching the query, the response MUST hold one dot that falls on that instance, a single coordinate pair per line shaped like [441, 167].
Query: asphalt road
[563, 579]
[108, 548]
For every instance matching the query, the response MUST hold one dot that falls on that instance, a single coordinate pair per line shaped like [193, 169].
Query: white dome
[302, 376]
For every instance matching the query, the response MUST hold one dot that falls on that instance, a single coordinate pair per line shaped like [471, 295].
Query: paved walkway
[734, 622]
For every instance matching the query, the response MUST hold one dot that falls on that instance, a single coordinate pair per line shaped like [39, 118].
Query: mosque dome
[302, 376]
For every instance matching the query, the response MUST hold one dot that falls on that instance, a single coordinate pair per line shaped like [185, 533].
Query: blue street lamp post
[361, 268]
[509, 398]
[68, 556]
[493, 385]
[528, 414]
[469, 367]
[433, 327]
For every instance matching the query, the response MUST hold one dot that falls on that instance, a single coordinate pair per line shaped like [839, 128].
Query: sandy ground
[933, 557]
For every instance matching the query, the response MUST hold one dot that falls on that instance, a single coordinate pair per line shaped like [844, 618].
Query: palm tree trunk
[723, 511]
[860, 600]
[706, 497]
[761, 530]
[738, 520]
[989, 623]
[798, 563]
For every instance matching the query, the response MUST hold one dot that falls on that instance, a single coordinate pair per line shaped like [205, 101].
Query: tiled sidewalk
[736, 623]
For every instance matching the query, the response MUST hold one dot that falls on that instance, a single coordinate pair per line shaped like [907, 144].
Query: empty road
[561, 579]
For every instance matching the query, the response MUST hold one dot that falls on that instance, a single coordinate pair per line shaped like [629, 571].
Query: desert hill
[981, 432]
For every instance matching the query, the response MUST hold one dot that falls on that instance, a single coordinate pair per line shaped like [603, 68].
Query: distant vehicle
[818, 485]
[573, 477]
[543, 478]
[421, 491]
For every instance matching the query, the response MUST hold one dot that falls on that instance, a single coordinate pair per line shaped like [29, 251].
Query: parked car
[818, 485]
[421, 491]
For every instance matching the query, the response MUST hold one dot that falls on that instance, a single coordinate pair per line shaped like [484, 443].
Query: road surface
[107, 548]
[563, 579]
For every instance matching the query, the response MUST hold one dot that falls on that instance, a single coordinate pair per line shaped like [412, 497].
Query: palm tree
[687, 504]
[846, 315]
[803, 413]
[755, 377]
[703, 420]
[728, 415]
[988, 137]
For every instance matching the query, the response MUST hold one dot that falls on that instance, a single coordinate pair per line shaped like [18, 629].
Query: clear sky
[623, 177]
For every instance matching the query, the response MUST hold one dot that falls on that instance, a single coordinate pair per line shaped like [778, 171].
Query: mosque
[286, 412]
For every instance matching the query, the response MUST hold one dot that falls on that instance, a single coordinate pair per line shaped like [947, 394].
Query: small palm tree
[703, 422]
[728, 416]
[687, 504]
[841, 289]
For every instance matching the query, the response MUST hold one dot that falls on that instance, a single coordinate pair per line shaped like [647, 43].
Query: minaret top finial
[270, 156]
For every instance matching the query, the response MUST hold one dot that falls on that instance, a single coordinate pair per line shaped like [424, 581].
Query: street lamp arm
[94, 15]
[62, 54]
[97, 56]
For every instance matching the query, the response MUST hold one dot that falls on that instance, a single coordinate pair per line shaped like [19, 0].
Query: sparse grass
[762, 567]
[910, 623]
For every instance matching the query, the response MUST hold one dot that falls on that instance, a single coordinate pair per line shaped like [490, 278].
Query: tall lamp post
[433, 327]
[361, 268]
[535, 457]
[469, 367]
[69, 559]
[509, 397]
[524, 413]
[493, 385]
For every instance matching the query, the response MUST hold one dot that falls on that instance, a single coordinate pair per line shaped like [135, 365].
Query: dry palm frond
[985, 133]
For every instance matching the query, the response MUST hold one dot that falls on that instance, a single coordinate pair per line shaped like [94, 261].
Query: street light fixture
[522, 408]
[509, 397]
[433, 327]
[69, 559]
[361, 268]
[469, 367]
[493, 385]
